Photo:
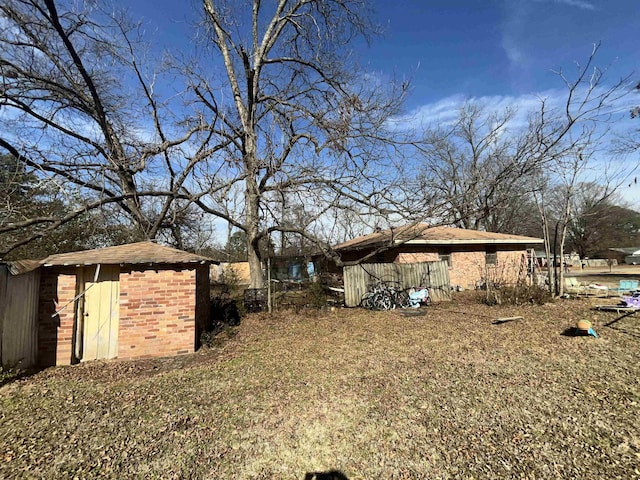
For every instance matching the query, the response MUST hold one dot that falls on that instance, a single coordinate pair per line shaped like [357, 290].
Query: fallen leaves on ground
[373, 394]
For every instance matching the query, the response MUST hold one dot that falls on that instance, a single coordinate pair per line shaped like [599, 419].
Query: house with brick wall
[472, 256]
[130, 301]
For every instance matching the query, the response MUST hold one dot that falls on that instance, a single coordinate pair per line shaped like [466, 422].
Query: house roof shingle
[18, 267]
[423, 234]
[132, 253]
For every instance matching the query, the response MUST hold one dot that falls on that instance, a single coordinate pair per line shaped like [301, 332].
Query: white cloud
[514, 52]
[442, 112]
[513, 28]
[445, 111]
[582, 5]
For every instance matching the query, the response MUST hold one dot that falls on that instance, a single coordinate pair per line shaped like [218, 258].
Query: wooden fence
[433, 275]
[18, 318]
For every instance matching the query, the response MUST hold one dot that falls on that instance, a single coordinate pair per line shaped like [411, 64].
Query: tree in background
[25, 195]
[236, 248]
[635, 113]
[568, 141]
[80, 111]
[476, 167]
[274, 114]
[299, 118]
[483, 172]
[599, 222]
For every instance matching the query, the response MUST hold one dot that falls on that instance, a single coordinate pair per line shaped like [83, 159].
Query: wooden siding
[434, 275]
[18, 318]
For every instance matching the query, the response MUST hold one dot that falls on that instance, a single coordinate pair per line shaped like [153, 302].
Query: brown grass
[375, 395]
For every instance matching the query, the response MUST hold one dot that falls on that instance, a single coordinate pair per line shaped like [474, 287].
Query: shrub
[9, 374]
[316, 295]
[224, 311]
[518, 294]
[229, 281]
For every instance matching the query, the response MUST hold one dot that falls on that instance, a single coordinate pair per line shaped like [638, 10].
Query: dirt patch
[370, 394]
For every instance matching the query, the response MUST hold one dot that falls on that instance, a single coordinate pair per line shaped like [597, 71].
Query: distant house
[628, 255]
[472, 256]
[130, 301]
[572, 259]
[238, 271]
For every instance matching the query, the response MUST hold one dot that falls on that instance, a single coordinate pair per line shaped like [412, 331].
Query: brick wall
[513, 265]
[468, 265]
[55, 334]
[157, 312]
[467, 268]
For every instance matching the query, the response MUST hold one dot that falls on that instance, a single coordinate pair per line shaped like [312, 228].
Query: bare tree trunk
[544, 219]
[253, 231]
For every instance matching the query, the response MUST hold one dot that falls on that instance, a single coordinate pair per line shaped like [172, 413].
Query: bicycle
[379, 297]
[383, 296]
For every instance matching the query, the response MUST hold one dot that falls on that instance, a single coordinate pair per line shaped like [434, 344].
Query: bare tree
[567, 139]
[78, 106]
[483, 169]
[555, 199]
[476, 169]
[300, 120]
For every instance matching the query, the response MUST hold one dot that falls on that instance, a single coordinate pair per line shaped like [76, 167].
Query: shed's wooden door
[100, 317]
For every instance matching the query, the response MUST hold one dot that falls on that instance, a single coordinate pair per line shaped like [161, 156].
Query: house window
[491, 256]
[445, 256]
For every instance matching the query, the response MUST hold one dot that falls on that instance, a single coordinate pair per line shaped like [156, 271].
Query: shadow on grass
[616, 320]
[574, 332]
[627, 332]
[612, 324]
[329, 475]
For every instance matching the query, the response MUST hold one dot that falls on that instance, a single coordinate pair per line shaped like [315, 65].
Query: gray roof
[627, 250]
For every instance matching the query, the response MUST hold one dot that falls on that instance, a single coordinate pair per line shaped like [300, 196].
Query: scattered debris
[585, 328]
[500, 321]
[616, 308]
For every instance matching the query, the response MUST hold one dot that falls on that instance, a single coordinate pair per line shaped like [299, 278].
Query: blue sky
[501, 47]
[472, 48]
[501, 52]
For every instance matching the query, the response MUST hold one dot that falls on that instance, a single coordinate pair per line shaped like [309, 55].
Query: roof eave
[147, 262]
[456, 241]
[492, 241]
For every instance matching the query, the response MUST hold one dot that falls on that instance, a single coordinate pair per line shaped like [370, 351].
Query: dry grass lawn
[374, 395]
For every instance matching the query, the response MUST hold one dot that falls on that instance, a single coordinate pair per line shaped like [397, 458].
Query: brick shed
[472, 256]
[130, 301]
